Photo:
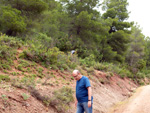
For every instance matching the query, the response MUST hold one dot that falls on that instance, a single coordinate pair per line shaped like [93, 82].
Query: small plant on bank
[16, 83]
[140, 75]
[4, 78]
[20, 68]
[40, 70]
[72, 78]
[4, 97]
[64, 76]
[25, 96]
[101, 80]
[68, 83]
[90, 70]
[60, 99]
[52, 75]
[38, 81]
[64, 96]
[33, 75]
[141, 82]
[5, 71]
[101, 66]
[54, 67]
[30, 81]
[5, 100]
[24, 63]
[28, 69]
[6, 66]
[108, 75]
[46, 79]
[62, 69]
[119, 84]
[40, 75]
[14, 73]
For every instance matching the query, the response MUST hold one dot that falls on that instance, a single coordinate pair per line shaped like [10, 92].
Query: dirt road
[138, 103]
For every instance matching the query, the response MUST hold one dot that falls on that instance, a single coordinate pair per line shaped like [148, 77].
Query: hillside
[36, 63]
[36, 89]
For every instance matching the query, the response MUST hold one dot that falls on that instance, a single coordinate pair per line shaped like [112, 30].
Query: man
[73, 52]
[84, 97]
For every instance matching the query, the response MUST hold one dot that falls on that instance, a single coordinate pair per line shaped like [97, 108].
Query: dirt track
[138, 103]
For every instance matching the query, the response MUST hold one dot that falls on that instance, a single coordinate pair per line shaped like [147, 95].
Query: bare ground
[138, 103]
[107, 94]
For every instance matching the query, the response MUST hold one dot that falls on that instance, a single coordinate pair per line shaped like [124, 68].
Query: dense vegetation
[48, 30]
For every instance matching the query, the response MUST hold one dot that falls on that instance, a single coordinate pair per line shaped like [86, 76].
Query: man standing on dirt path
[84, 98]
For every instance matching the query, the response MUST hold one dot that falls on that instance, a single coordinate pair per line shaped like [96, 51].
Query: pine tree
[117, 12]
[136, 49]
[11, 21]
[86, 25]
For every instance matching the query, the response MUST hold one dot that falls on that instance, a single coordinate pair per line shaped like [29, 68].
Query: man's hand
[89, 104]
[76, 103]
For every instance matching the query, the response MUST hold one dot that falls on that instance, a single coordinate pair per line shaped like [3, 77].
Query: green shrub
[141, 64]
[20, 67]
[146, 72]
[72, 78]
[40, 75]
[25, 96]
[102, 66]
[90, 69]
[54, 67]
[40, 70]
[61, 99]
[8, 46]
[140, 81]
[33, 75]
[14, 73]
[52, 75]
[101, 80]
[5, 66]
[64, 66]
[16, 83]
[120, 70]
[24, 63]
[5, 71]
[64, 43]
[88, 61]
[97, 66]
[140, 75]
[28, 81]
[109, 75]
[4, 97]
[4, 78]
[49, 57]
[64, 96]
[62, 69]
[22, 55]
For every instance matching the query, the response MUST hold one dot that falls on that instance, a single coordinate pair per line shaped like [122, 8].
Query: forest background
[49, 30]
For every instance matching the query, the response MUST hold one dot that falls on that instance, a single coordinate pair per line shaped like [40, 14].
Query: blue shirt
[81, 89]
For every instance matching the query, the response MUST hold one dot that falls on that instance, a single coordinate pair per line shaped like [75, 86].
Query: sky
[140, 13]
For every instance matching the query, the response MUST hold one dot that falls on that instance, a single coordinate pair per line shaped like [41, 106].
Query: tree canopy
[77, 25]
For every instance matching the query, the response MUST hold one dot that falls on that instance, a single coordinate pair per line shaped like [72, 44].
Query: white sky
[140, 13]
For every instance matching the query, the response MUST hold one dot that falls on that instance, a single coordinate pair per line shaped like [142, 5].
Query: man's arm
[89, 96]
